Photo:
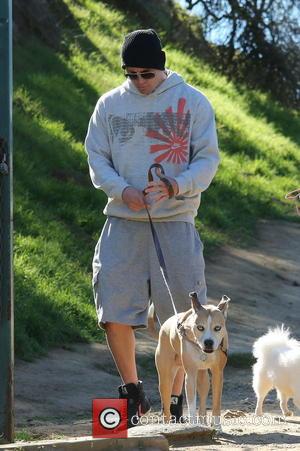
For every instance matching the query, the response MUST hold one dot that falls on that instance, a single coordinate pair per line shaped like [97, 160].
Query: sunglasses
[136, 75]
[295, 195]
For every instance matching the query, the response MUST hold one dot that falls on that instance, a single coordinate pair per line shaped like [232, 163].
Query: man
[153, 117]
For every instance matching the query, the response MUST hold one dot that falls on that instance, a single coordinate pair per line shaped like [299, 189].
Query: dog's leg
[217, 387]
[166, 379]
[283, 398]
[261, 386]
[191, 393]
[166, 369]
[203, 389]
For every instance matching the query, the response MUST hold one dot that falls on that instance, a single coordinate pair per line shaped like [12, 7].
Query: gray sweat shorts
[126, 272]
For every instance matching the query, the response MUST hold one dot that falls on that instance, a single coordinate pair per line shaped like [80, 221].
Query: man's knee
[116, 327]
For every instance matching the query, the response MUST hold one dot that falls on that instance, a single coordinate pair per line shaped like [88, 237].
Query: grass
[58, 214]
[25, 436]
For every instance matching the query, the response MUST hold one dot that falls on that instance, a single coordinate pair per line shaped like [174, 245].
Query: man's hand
[159, 189]
[133, 198]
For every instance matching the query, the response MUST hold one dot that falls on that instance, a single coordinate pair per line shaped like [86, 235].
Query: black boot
[138, 403]
[176, 408]
[144, 401]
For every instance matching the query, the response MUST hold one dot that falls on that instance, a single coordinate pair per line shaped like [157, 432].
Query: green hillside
[58, 213]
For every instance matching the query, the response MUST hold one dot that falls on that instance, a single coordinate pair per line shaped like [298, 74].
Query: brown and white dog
[196, 340]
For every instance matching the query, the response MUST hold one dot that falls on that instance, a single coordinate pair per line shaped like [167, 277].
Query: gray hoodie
[129, 131]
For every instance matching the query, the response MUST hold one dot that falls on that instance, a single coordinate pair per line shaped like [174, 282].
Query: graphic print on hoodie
[170, 129]
[129, 131]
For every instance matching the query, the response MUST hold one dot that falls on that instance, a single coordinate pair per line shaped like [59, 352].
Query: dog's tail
[153, 328]
[274, 340]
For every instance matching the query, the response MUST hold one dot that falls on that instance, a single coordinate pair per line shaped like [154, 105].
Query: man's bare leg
[121, 342]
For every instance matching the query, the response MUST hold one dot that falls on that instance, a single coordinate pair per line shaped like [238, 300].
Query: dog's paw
[203, 421]
[218, 428]
[216, 423]
[288, 413]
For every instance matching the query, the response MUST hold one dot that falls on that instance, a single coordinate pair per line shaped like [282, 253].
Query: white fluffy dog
[277, 366]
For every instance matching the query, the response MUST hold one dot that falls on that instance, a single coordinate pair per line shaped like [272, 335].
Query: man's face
[145, 85]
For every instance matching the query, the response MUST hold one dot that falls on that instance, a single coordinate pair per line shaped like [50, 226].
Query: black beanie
[142, 48]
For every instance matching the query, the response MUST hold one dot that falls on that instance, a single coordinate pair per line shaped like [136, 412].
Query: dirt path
[54, 394]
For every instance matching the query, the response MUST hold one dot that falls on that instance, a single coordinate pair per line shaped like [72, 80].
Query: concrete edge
[158, 442]
[188, 434]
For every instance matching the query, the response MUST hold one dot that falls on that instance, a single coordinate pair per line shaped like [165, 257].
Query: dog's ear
[224, 304]
[195, 301]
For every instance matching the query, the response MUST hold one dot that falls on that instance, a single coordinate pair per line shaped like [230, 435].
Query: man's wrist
[126, 187]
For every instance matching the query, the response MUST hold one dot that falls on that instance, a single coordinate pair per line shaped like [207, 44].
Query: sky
[216, 36]
[219, 34]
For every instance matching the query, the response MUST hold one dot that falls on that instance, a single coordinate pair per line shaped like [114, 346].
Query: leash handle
[159, 170]
[156, 166]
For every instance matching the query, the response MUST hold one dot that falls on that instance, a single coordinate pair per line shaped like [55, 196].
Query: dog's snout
[208, 343]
